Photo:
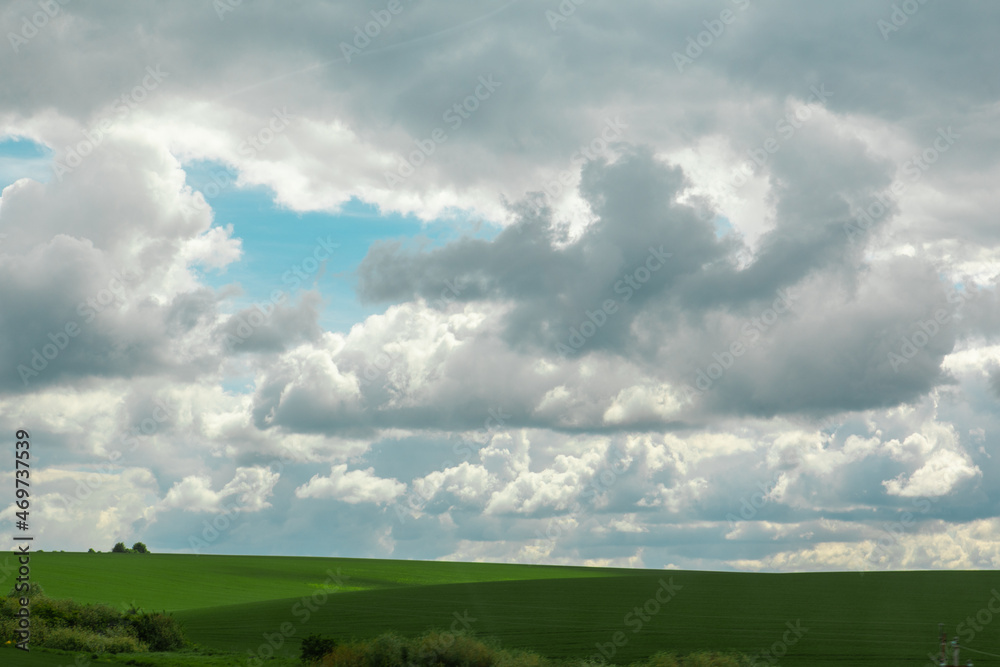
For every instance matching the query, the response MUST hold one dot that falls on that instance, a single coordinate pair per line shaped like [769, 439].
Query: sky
[699, 285]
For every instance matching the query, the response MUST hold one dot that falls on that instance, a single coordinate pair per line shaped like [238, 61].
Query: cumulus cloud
[356, 486]
[250, 486]
[86, 509]
[711, 315]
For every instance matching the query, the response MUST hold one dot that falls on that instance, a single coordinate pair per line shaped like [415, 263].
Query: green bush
[78, 639]
[387, 650]
[55, 613]
[662, 659]
[100, 618]
[157, 630]
[511, 658]
[699, 659]
[124, 643]
[315, 647]
[94, 628]
[8, 626]
[456, 650]
[33, 590]
[74, 639]
[446, 649]
[345, 655]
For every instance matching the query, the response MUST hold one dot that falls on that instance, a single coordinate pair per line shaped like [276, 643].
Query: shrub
[78, 639]
[704, 659]
[447, 649]
[157, 630]
[8, 626]
[315, 647]
[100, 618]
[387, 650]
[345, 655]
[510, 658]
[140, 548]
[119, 548]
[75, 639]
[452, 650]
[124, 643]
[55, 613]
[34, 589]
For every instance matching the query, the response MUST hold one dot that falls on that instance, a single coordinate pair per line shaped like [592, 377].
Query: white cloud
[356, 486]
[251, 486]
[812, 418]
[940, 473]
[89, 509]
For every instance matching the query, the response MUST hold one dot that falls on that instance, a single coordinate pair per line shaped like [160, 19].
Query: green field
[231, 603]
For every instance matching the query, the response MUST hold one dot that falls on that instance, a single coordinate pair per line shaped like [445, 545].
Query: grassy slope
[189, 581]
[880, 619]
[877, 619]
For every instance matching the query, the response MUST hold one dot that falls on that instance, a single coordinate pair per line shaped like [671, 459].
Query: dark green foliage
[33, 590]
[119, 548]
[448, 649]
[387, 650]
[95, 628]
[315, 647]
[158, 630]
[76, 639]
[140, 548]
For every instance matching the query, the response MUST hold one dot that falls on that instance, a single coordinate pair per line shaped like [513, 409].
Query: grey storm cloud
[641, 228]
[271, 327]
[831, 353]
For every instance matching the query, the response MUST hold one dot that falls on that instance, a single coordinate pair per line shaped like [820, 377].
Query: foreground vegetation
[93, 628]
[444, 649]
[238, 609]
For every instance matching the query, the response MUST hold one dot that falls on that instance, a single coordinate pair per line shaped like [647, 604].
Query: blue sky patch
[24, 158]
